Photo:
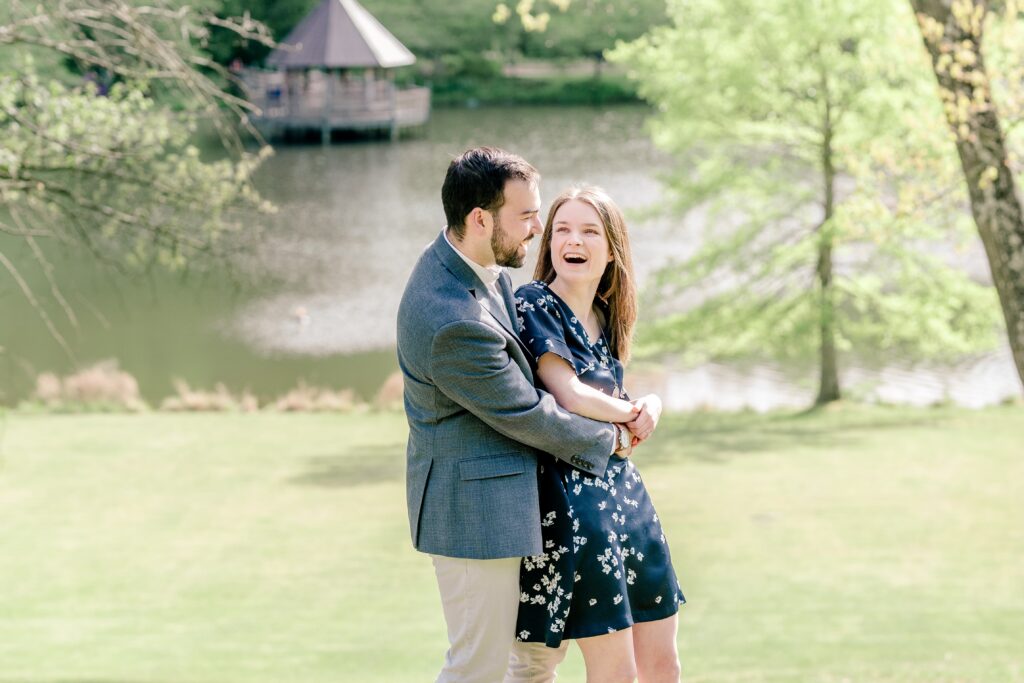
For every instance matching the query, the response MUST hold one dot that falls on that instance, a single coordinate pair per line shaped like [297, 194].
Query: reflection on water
[973, 383]
[354, 219]
[322, 291]
[320, 297]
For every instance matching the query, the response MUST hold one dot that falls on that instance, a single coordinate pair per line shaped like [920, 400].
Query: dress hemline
[639, 618]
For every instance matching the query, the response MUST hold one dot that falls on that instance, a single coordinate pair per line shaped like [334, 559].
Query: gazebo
[334, 71]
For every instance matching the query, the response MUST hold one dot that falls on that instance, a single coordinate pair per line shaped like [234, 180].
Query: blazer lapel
[462, 272]
[454, 263]
[505, 287]
[498, 311]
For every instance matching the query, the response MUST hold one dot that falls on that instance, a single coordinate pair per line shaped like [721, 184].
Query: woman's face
[579, 246]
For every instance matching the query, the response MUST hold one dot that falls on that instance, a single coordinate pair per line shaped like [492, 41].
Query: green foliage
[431, 28]
[469, 65]
[575, 28]
[438, 30]
[280, 17]
[97, 151]
[117, 172]
[799, 127]
[551, 90]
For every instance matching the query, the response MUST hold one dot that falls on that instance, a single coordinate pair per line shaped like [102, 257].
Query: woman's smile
[575, 258]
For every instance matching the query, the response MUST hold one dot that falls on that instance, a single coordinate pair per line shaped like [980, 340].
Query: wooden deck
[326, 102]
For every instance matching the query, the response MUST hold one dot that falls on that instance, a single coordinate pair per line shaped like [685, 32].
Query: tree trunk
[828, 384]
[970, 111]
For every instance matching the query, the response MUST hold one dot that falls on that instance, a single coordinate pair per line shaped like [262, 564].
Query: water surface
[322, 291]
[320, 295]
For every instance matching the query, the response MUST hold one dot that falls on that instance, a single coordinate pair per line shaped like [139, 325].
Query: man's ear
[478, 219]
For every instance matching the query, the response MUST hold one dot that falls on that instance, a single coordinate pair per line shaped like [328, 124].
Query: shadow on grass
[705, 437]
[370, 465]
[720, 438]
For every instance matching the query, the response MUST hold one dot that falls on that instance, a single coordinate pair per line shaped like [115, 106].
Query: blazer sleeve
[469, 364]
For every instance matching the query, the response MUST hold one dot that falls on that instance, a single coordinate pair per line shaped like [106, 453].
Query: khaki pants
[480, 599]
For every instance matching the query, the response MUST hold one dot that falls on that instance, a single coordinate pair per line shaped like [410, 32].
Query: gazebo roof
[340, 34]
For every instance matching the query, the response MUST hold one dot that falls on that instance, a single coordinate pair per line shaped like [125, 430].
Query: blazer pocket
[489, 466]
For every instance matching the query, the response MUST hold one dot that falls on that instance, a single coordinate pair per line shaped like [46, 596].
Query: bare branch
[54, 288]
[27, 291]
[30, 232]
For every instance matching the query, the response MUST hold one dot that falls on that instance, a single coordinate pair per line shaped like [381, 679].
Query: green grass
[852, 545]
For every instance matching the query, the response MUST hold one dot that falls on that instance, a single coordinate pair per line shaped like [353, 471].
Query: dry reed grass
[390, 395]
[102, 386]
[309, 399]
[187, 399]
[105, 387]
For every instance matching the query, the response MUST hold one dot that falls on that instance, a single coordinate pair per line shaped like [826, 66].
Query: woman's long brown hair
[617, 289]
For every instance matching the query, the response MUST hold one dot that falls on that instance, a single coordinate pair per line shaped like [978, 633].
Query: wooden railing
[320, 100]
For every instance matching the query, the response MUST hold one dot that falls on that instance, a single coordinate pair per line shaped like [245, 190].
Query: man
[475, 417]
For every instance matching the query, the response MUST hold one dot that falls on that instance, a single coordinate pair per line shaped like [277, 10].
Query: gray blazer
[475, 417]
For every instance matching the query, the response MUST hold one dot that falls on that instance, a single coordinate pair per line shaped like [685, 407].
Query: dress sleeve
[541, 326]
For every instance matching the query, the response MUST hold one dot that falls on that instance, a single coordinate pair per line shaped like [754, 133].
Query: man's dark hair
[477, 178]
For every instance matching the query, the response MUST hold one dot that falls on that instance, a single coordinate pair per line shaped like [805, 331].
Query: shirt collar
[488, 274]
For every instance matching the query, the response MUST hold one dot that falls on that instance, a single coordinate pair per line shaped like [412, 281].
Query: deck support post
[393, 94]
[325, 124]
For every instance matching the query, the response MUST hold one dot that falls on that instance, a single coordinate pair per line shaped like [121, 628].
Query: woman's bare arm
[560, 380]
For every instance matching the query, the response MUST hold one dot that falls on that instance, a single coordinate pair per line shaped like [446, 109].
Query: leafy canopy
[806, 131]
[97, 148]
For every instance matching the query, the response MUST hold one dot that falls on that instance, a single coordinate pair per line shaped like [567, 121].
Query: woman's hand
[646, 421]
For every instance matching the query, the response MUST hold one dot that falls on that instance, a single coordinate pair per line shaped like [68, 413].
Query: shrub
[391, 392]
[305, 398]
[103, 386]
[187, 399]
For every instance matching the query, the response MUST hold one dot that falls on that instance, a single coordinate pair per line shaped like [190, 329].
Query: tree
[278, 16]
[955, 35]
[574, 28]
[453, 34]
[97, 152]
[800, 128]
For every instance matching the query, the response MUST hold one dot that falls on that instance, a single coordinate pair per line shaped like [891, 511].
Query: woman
[606, 578]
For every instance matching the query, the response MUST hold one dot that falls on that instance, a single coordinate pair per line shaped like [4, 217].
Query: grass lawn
[861, 544]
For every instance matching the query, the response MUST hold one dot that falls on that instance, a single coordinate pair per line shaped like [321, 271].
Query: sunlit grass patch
[859, 544]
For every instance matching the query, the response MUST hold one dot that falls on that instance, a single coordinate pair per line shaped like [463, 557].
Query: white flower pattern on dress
[612, 558]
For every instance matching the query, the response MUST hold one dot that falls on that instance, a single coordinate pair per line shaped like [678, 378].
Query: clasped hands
[647, 412]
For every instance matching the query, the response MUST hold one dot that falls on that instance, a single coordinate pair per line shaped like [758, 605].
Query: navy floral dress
[606, 563]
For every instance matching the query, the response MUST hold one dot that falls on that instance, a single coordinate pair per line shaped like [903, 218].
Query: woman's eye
[562, 229]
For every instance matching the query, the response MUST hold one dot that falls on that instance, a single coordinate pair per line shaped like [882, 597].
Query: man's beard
[504, 255]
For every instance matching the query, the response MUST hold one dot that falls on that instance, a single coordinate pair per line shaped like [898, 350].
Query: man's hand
[646, 421]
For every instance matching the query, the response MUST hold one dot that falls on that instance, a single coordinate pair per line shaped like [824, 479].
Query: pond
[319, 300]
[352, 220]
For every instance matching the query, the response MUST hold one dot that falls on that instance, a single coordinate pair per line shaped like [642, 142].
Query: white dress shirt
[488, 274]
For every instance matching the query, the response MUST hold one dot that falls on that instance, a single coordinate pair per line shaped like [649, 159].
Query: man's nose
[536, 228]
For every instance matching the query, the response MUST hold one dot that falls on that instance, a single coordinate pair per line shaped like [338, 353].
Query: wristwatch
[624, 438]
